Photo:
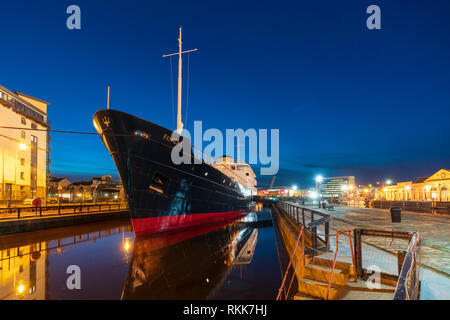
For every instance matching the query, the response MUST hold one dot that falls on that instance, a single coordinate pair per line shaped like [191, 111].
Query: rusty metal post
[358, 252]
[327, 237]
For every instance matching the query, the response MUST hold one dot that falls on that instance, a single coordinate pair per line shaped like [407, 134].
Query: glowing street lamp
[319, 179]
[388, 181]
[23, 146]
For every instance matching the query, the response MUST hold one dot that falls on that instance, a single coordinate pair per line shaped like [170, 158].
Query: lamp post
[319, 179]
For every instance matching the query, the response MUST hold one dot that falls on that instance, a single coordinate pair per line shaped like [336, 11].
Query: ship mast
[180, 69]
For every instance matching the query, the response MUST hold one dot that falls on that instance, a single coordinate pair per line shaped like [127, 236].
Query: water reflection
[188, 265]
[214, 261]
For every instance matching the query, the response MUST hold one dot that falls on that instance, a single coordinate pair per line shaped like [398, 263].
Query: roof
[22, 100]
[56, 179]
[420, 180]
[80, 183]
[34, 98]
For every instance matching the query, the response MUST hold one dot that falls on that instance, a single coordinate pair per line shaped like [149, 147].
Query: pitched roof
[420, 180]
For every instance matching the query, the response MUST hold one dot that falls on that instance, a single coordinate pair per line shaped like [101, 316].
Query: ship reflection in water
[230, 260]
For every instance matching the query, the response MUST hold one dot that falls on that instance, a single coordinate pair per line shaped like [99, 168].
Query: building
[98, 189]
[56, 186]
[336, 186]
[24, 151]
[433, 188]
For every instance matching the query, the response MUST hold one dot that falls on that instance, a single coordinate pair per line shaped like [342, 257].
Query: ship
[163, 196]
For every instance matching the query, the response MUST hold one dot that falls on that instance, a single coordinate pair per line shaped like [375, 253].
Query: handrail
[408, 280]
[335, 256]
[292, 210]
[300, 235]
[5, 213]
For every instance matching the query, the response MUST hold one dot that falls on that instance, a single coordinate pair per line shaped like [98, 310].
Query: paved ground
[382, 252]
[434, 229]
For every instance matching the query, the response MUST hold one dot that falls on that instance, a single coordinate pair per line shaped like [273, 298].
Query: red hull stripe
[151, 225]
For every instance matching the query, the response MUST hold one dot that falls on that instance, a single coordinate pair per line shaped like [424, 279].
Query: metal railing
[407, 263]
[30, 212]
[299, 215]
[408, 285]
[301, 257]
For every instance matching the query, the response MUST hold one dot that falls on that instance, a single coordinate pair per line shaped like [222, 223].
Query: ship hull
[161, 195]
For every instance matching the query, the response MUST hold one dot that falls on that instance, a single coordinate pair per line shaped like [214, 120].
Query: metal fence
[408, 285]
[30, 212]
[401, 266]
[316, 221]
[416, 206]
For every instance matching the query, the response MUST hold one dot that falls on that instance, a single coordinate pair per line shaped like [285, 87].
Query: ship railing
[23, 212]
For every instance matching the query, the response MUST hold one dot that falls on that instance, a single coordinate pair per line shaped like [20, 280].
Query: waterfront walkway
[13, 221]
[435, 230]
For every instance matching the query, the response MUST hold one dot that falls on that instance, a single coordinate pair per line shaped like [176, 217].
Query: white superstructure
[241, 173]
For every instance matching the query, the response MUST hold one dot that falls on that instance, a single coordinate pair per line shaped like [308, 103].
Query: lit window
[141, 134]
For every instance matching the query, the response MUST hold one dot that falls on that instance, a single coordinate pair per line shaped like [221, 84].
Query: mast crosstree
[180, 68]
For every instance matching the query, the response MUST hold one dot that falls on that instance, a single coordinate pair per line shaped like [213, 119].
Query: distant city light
[388, 181]
[294, 187]
[319, 178]
[350, 187]
[313, 194]
[344, 187]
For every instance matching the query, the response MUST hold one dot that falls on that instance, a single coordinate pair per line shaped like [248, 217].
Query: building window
[33, 126]
[23, 121]
[22, 134]
[22, 161]
[22, 175]
[22, 188]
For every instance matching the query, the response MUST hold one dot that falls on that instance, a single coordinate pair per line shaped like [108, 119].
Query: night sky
[347, 100]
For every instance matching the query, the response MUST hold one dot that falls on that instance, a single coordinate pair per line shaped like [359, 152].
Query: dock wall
[42, 223]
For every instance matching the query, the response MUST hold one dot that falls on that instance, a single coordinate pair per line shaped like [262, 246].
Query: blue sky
[347, 100]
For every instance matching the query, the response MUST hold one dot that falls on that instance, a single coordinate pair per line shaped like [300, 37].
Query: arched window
[434, 194]
[444, 194]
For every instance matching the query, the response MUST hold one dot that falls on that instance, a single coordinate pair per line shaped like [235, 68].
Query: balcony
[19, 107]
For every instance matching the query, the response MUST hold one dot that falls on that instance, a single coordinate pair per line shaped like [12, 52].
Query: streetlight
[388, 181]
[319, 179]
